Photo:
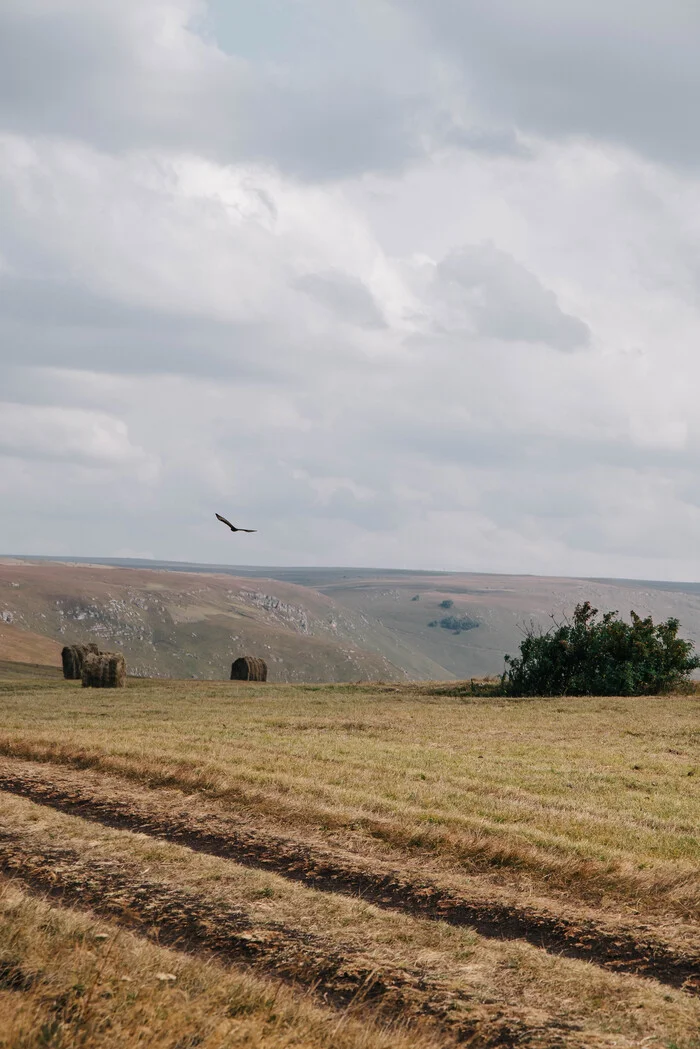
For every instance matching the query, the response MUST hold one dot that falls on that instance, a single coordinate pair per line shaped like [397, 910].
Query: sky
[399, 283]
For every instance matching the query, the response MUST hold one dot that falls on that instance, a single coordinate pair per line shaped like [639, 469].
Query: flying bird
[233, 527]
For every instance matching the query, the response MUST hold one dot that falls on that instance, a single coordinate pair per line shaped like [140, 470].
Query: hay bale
[92, 671]
[73, 657]
[116, 670]
[104, 670]
[70, 663]
[249, 668]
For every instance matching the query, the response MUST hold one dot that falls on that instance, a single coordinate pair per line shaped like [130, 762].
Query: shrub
[458, 623]
[600, 656]
[433, 622]
[446, 604]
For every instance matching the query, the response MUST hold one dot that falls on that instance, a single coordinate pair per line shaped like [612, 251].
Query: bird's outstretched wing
[233, 527]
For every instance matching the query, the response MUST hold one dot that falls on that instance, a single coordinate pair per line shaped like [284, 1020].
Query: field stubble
[550, 806]
[597, 798]
[68, 979]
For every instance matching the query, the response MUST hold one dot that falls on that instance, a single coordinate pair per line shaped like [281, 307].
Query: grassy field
[487, 871]
[67, 979]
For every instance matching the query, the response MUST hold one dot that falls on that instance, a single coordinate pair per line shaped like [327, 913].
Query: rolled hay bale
[92, 671]
[72, 666]
[73, 657]
[249, 668]
[104, 670]
[116, 670]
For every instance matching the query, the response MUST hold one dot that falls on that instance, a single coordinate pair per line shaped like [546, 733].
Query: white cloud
[356, 350]
[45, 432]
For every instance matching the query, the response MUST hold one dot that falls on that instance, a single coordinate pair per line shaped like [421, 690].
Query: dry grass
[597, 798]
[67, 980]
[23, 646]
[596, 1006]
[593, 800]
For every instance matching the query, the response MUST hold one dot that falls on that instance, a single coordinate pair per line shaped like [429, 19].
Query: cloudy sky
[404, 283]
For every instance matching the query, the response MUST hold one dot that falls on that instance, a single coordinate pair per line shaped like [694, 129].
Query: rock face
[293, 615]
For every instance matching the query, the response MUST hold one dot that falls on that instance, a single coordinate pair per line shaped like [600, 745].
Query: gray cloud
[345, 295]
[45, 322]
[313, 268]
[138, 74]
[143, 74]
[336, 129]
[625, 72]
[105, 74]
[505, 300]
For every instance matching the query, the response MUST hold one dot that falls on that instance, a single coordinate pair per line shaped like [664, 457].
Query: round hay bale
[73, 657]
[69, 663]
[92, 671]
[106, 670]
[249, 668]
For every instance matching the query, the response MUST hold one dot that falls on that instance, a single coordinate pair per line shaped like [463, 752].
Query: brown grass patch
[503, 994]
[67, 979]
[597, 800]
[668, 951]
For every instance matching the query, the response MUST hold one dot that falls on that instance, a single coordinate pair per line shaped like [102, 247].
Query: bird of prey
[233, 527]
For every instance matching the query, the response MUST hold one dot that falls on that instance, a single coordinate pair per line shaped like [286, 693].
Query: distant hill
[19, 645]
[502, 605]
[179, 624]
[311, 624]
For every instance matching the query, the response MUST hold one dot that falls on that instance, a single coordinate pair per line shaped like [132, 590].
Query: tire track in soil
[614, 947]
[341, 978]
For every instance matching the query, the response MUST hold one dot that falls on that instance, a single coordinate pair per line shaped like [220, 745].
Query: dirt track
[622, 946]
[342, 978]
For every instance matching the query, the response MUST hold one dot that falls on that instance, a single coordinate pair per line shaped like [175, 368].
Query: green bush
[600, 656]
[446, 604]
[458, 623]
[455, 623]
